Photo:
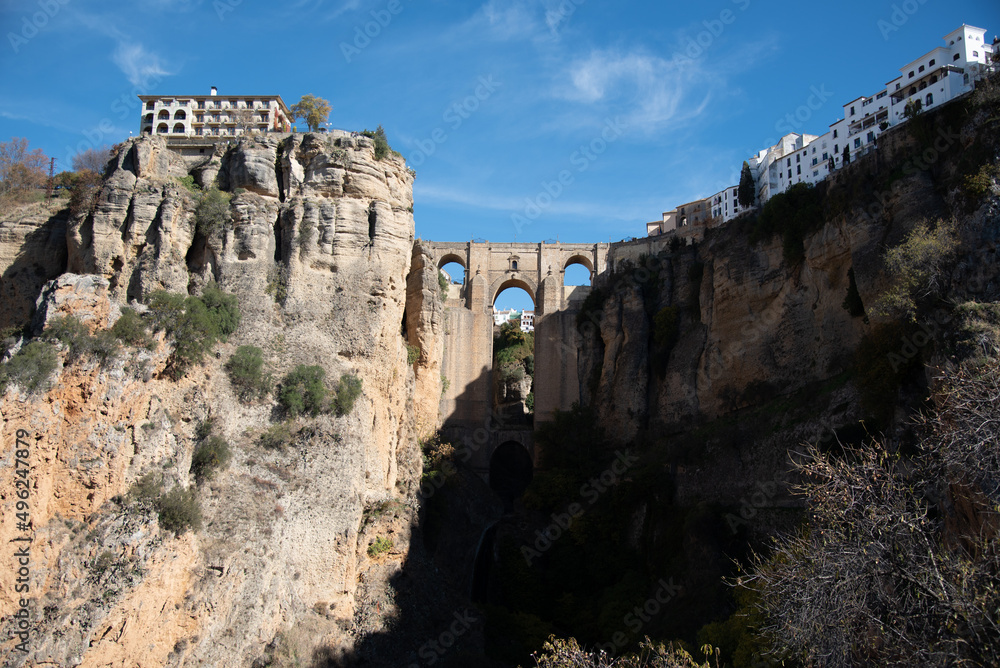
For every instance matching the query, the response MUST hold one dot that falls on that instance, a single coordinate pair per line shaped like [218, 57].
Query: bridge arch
[448, 258]
[580, 259]
[522, 282]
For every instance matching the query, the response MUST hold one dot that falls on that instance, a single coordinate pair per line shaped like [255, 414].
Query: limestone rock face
[83, 297]
[32, 251]
[317, 248]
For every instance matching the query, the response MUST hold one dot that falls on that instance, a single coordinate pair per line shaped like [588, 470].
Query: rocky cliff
[317, 249]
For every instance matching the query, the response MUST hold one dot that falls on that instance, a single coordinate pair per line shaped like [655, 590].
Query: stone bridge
[491, 268]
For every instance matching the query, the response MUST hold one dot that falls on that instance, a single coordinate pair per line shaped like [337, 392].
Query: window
[836, 149]
[825, 155]
[910, 75]
[931, 64]
[789, 163]
[913, 91]
[975, 54]
[834, 136]
[852, 110]
[149, 106]
[789, 175]
[857, 142]
[815, 160]
[798, 157]
[934, 79]
[929, 100]
[815, 173]
[897, 86]
[923, 85]
[883, 93]
[164, 114]
[955, 57]
[798, 169]
[871, 136]
[201, 104]
[920, 69]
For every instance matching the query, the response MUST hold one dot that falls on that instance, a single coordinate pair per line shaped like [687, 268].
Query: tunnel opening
[511, 471]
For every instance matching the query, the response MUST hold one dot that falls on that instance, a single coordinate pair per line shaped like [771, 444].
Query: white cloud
[650, 90]
[138, 64]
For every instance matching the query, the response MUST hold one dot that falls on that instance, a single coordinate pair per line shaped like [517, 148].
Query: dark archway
[511, 471]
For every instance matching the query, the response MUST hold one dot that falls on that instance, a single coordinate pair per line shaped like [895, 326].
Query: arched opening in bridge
[451, 270]
[514, 353]
[576, 273]
[511, 471]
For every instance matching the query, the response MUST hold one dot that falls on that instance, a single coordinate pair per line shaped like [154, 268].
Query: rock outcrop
[317, 249]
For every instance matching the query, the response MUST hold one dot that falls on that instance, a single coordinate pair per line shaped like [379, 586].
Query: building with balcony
[213, 116]
[938, 76]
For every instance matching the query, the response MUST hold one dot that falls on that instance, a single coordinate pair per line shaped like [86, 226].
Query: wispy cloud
[651, 90]
[138, 64]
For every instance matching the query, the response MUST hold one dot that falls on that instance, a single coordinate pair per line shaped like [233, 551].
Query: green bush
[303, 391]
[379, 546]
[348, 391]
[194, 323]
[223, 310]
[382, 149]
[8, 338]
[147, 489]
[412, 354]
[212, 212]
[246, 373]
[80, 343]
[179, 510]
[131, 330]
[916, 268]
[276, 437]
[30, 368]
[210, 454]
[188, 182]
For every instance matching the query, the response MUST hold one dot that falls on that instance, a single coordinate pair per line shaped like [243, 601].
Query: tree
[21, 170]
[746, 194]
[897, 563]
[313, 110]
[912, 109]
[245, 121]
[93, 159]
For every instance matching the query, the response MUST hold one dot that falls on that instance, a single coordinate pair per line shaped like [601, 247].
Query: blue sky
[530, 119]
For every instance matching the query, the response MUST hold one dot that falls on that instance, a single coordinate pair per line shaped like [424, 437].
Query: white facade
[936, 77]
[500, 317]
[528, 321]
[213, 115]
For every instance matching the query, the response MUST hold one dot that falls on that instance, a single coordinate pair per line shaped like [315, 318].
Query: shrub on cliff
[212, 212]
[303, 391]
[898, 562]
[131, 330]
[194, 323]
[30, 368]
[348, 391]
[210, 454]
[178, 509]
[246, 373]
[80, 343]
[559, 653]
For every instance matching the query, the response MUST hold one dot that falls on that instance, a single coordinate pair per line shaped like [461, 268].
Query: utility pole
[52, 171]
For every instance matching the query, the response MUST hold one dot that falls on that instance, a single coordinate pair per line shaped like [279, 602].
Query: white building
[500, 317]
[936, 77]
[213, 115]
[527, 321]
